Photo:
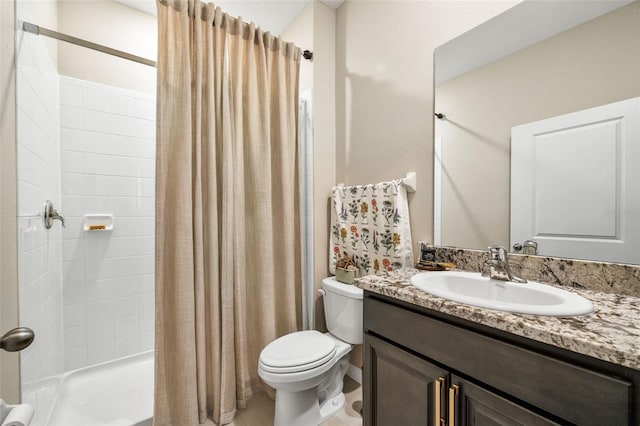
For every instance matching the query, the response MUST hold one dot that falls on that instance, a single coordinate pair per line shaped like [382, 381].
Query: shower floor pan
[115, 393]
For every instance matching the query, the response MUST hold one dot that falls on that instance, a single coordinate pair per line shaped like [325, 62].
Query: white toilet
[306, 368]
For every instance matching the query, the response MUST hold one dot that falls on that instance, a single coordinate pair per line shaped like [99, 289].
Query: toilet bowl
[307, 368]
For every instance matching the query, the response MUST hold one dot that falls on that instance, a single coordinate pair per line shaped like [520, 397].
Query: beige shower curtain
[228, 228]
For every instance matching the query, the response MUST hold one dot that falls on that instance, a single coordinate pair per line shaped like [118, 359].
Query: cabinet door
[400, 388]
[476, 406]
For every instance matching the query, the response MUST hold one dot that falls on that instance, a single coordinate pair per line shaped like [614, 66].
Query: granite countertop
[611, 333]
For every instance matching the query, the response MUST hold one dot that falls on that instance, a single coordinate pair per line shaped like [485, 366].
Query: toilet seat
[299, 351]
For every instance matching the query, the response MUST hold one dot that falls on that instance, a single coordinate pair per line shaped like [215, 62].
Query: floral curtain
[370, 224]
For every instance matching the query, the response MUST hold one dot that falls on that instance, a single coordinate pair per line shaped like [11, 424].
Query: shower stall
[85, 123]
[86, 143]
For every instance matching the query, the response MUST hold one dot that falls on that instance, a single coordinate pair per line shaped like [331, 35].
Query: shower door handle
[17, 339]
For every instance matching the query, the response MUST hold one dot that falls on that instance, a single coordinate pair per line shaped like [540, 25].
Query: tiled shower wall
[107, 143]
[39, 262]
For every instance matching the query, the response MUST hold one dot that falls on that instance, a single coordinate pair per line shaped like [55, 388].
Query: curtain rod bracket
[308, 55]
[30, 28]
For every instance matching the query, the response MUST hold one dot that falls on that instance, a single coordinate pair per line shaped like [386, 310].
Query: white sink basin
[529, 298]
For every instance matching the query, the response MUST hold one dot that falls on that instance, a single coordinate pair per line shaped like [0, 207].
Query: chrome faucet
[50, 214]
[499, 266]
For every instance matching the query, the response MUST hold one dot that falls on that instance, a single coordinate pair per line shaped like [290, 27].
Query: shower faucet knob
[51, 214]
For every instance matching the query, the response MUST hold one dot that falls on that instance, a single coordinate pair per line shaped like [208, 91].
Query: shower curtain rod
[38, 30]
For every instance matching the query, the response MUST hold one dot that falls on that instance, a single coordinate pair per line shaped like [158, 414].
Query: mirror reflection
[513, 71]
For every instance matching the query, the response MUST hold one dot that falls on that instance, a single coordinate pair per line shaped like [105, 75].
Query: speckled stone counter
[611, 333]
[579, 274]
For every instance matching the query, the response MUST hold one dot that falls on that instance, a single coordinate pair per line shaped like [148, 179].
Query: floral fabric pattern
[370, 224]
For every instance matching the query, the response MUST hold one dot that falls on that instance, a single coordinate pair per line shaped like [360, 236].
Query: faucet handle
[60, 218]
[497, 253]
[50, 214]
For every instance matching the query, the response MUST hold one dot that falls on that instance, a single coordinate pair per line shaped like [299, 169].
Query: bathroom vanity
[430, 361]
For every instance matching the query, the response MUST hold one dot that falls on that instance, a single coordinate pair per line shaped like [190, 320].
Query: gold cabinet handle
[453, 392]
[438, 420]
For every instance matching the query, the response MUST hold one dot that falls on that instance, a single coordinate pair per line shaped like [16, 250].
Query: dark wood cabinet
[426, 368]
[403, 387]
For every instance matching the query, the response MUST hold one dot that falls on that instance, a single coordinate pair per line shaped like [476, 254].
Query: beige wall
[314, 29]
[384, 99]
[384, 90]
[593, 64]
[114, 25]
[300, 32]
[324, 141]
[42, 12]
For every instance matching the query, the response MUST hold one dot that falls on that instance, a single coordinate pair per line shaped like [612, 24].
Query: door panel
[561, 190]
[477, 406]
[575, 185]
[400, 387]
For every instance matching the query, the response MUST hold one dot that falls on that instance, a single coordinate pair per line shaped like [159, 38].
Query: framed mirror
[537, 61]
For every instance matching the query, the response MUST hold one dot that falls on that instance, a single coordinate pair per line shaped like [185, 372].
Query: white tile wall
[107, 139]
[88, 148]
[40, 250]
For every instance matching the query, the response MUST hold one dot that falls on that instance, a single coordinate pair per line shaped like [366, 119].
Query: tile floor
[261, 408]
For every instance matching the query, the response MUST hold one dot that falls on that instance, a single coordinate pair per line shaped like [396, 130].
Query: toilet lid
[298, 351]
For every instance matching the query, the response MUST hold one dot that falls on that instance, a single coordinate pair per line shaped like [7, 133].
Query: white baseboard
[355, 373]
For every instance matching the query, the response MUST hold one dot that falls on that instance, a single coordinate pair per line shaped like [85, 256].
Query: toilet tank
[343, 310]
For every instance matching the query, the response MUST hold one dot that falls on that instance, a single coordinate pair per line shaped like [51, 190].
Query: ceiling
[270, 15]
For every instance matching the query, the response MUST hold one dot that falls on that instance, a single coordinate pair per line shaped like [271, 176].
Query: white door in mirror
[575, 183]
